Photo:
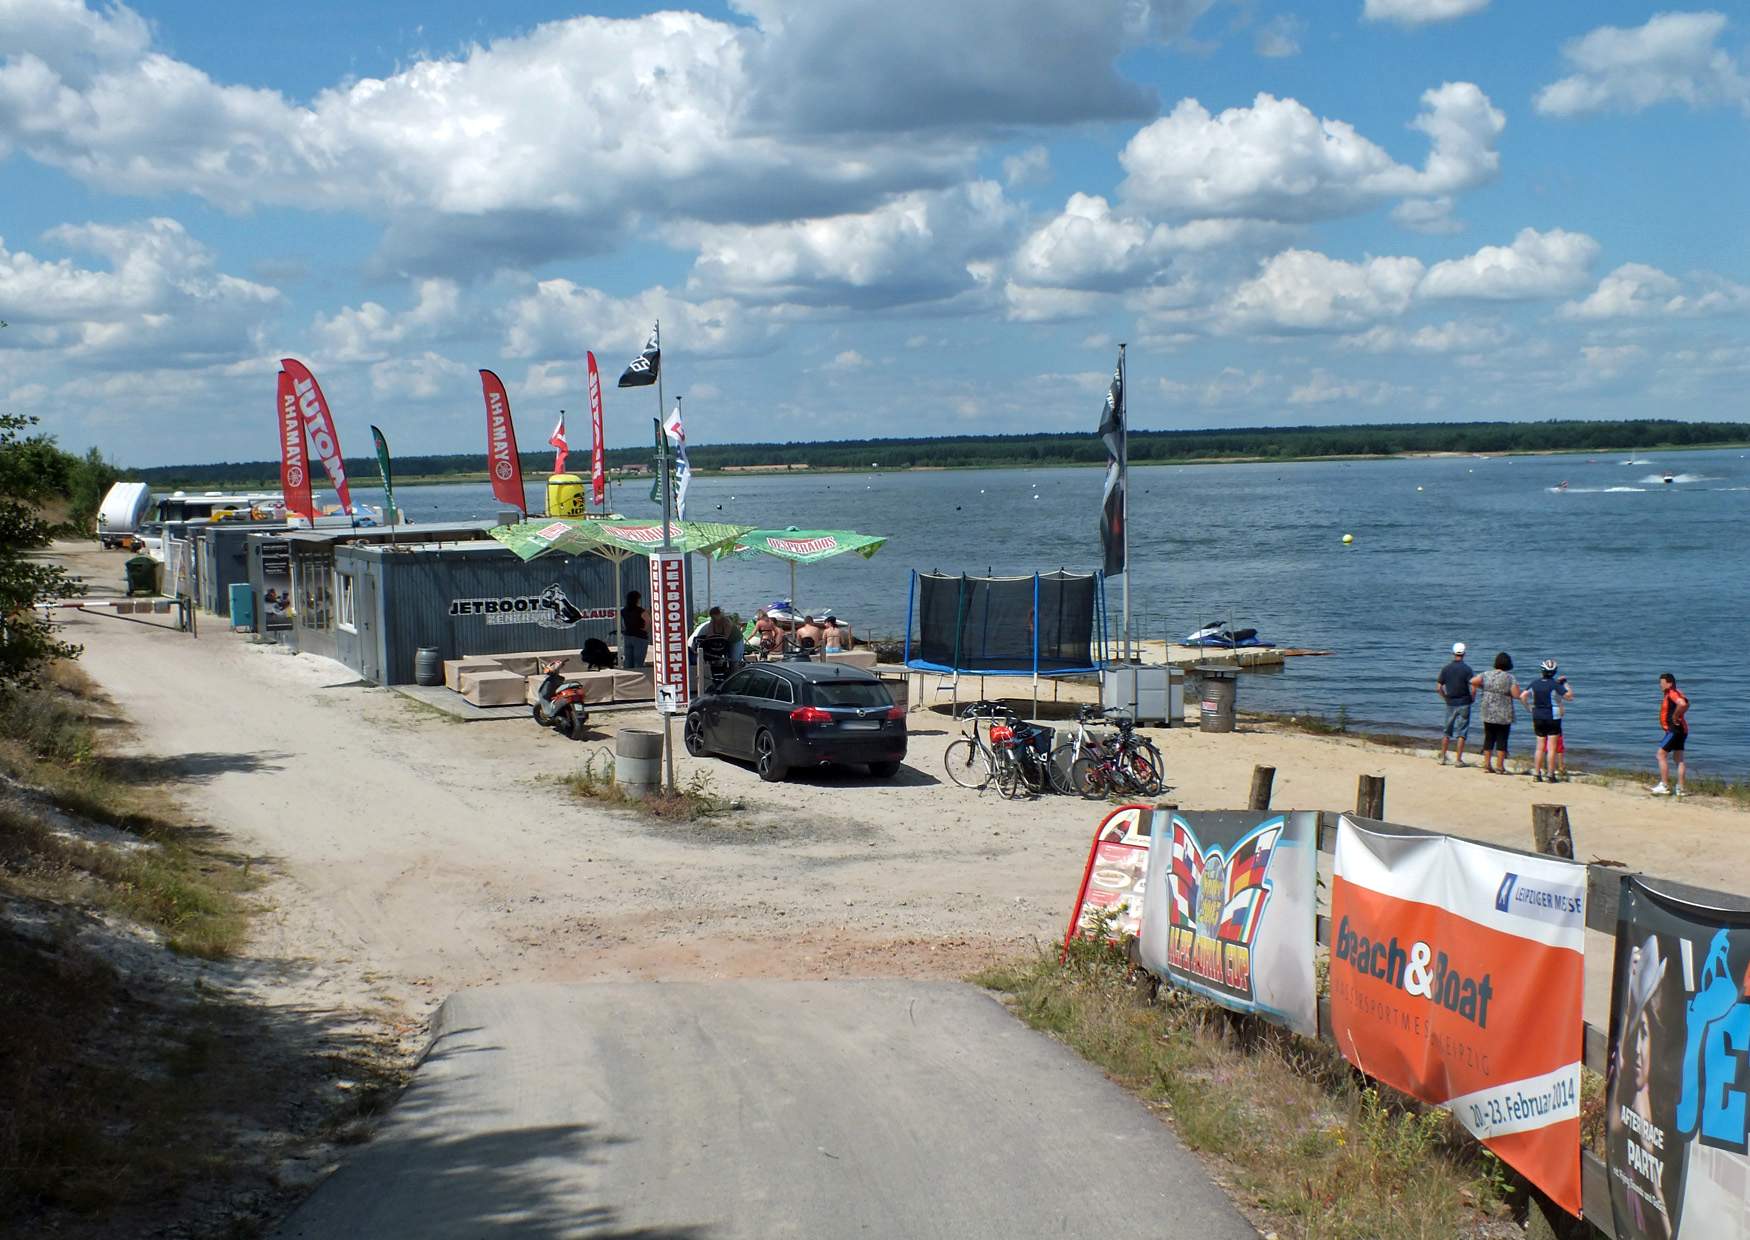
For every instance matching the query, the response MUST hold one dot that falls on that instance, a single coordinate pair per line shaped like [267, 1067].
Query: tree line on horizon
[1064, 448]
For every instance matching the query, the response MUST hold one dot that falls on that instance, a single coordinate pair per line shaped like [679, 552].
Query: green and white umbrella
[800, 547]
[613, 539]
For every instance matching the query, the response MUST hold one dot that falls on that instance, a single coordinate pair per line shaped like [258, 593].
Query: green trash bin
[142, 573]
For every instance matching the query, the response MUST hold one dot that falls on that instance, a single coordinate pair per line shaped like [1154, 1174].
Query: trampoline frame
[1097, 646]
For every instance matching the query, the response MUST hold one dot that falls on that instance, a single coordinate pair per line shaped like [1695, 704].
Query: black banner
[1677, 1103]
[1112, 501]
[647, 365]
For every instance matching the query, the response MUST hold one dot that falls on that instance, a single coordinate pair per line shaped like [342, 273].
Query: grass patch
[1298, 1140]
[688, 802]
[169, 876]
[1737, 791]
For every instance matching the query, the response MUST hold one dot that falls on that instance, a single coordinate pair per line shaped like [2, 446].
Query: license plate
[861, 725]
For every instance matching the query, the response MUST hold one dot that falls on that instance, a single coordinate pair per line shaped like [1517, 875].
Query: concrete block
[853, 658]
[494, 688]
[453, 669]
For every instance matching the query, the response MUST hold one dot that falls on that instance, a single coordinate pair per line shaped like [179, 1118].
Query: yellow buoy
[1348, 538]
[566, 496]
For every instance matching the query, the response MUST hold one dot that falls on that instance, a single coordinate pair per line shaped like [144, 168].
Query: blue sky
[866, 219]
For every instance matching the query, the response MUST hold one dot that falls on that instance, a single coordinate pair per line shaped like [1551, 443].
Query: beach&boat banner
[319, 425]
[1677, 1101]
[1114, 879]
[503, 464]
[598, 472]
[1230, 911]
[294, 460]
[1457, 972]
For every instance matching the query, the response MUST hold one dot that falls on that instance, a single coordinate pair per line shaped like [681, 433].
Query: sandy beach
[426, 854]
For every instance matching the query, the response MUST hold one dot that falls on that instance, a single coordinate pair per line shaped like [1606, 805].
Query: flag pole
[1124, 476]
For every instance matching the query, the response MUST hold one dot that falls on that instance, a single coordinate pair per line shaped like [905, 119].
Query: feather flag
[647, 365]
[1112, 505]
[598, 472]
[294, 461]
[676, 433]
[502, 461]
[319, 423]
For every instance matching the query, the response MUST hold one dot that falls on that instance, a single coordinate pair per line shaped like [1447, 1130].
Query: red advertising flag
[557, 439]
[598, 474]
[319, 424]
[502, 461]
[294, 461]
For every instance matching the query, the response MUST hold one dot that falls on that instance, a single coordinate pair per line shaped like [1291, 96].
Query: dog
[596, 655]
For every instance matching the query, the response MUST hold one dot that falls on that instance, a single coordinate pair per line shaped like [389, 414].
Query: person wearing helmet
[1545, 697]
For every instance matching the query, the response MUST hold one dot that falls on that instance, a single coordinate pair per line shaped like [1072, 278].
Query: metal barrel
[638, 761]
[428, 669]
[1218, 694]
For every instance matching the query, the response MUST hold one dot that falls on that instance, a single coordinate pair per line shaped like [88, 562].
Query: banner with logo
[1456, 975]
[1677, 1101]
[503, 464]
[319, 425]
[668, 631]
[550, 609]
[276, 585]
[294, 463]
[1115, 878]
[386, 472]
[598, 472]
[1232, 911]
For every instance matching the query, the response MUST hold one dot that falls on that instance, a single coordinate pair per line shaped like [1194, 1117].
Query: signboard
[1456, 976]
[550, 609]
[276, 585]
[1677, 1101]
[668, 631]
[1232, 911]
[1115, 876]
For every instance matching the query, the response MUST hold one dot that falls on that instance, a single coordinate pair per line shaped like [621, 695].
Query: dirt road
[438, 855]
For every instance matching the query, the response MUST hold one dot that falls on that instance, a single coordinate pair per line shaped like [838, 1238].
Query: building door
[370, 636]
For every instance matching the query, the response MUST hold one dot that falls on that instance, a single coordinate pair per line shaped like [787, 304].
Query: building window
[343, 614]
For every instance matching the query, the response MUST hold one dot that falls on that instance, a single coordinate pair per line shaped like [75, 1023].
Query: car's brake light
[896, 712]
[810, 714]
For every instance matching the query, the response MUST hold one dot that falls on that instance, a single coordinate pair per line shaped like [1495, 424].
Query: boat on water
[1670, 478]
[1562, 485]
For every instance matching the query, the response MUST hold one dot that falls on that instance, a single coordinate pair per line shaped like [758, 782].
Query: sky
[864, 219]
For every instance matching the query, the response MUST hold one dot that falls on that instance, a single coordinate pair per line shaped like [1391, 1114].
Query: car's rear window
[851, 693]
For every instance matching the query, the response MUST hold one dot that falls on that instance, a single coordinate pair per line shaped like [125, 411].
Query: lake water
[1619, 577]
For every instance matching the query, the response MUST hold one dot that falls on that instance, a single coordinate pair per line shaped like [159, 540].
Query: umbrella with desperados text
[800, 547]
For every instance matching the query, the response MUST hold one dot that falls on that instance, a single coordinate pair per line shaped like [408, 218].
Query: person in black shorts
[1674, 718]
[1544, 696]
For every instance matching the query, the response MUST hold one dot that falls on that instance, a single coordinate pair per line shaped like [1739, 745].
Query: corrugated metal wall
[464, 600]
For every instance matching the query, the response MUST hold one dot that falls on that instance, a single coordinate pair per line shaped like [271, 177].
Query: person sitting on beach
[837, 636]
[808, 635]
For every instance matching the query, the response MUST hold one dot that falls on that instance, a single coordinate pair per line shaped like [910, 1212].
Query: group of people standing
[1546, 697]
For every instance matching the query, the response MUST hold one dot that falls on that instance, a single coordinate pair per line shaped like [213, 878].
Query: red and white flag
[502, 461]
[557, 439]
[319, 424]
[598, 473]
[294, 460]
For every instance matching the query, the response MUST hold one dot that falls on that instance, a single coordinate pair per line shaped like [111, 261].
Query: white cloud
[1278, 160]
[1536, 265]
[1670, 59]
[1304, 291]
[1638, 291]
[1231, 387]
[1029, 167]
[918, 247]
[559, 319]
[368, 332]
[1324, 388]
[1432, 216]
[423, 376]
[160, 297]
[1451, 336]
[1420, 12]
[1280, 36]
[1028, 304]
[847, 361]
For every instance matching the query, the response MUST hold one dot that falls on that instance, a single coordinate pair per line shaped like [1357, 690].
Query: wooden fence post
[1263, 778]
[1549, 827]
[1370, 797]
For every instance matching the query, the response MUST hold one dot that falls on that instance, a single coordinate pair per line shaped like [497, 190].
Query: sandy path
[436, 855]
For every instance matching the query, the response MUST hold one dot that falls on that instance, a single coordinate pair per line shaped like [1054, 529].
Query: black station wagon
[784, 715]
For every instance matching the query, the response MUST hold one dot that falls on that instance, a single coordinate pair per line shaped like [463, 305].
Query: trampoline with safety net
[1044, 624]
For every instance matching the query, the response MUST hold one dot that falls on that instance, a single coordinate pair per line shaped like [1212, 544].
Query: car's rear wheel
[693, 733]
[766, 761]
[884, 770]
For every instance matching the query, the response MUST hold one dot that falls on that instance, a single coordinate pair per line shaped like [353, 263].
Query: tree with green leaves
[28, 638]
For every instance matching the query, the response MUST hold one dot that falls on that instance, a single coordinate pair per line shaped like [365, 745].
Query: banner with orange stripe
[1457, 972]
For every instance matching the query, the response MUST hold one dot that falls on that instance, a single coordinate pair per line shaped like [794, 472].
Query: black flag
[648, 364]
[1117, 468]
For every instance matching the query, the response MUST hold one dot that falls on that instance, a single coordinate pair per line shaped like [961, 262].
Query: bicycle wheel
[1008, 775]
[1088, 777]
[968, 764]
[1058, 766]
[1144, 767]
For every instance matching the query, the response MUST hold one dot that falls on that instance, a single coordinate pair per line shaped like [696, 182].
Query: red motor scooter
[559, 703]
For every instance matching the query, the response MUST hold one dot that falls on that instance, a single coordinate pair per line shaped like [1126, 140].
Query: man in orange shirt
[1674, 718]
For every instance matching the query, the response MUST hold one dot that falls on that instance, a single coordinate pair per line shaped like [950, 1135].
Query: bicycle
[970, 760]
[1125, 763]
[1020, 766]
